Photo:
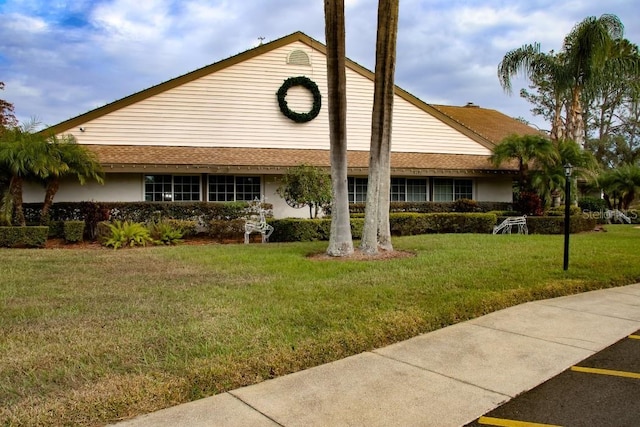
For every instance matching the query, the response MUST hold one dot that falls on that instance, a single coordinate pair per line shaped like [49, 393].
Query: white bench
[507, 224]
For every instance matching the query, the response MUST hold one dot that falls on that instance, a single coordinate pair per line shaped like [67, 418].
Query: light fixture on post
[568, 170]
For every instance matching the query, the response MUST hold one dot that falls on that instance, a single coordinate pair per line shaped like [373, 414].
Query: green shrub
[189, 228]
[103, 232]
[300, 230]
[559, 211]
[466, 205]
[430, 207]
[226, 229]
[30, 237]
[165, 233]
[73, 231]
[401, 224]
[555, 224]
[94, 212]
[412, 223]
[56, 229]
[125, 233]
[592, 204]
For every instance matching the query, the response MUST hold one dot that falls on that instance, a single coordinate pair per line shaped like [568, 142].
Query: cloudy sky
[62, 58]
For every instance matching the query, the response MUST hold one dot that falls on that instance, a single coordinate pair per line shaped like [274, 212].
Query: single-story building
[223, 133]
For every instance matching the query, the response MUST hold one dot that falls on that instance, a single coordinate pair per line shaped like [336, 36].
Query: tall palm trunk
[52, 188]
[15, 190]
[575, 122]
[557, 127]
[376, 230]
[340, 240]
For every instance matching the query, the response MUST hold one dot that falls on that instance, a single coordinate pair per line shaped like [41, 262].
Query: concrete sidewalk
[448, 377]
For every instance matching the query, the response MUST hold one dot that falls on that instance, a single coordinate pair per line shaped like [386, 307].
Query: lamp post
[568, 169]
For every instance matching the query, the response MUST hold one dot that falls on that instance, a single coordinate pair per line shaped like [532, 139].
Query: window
[228, 188]
[248, 188]
[357, 188]
[221, 188]
[408, 190]
[448, 190]
[186, 188]
[398, 189]
[157, 188]
[167, 188]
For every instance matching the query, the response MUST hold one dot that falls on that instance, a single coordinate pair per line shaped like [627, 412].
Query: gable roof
[491, 124]
[486, 127]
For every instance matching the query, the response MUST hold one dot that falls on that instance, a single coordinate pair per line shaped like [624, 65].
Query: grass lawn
[94, 336]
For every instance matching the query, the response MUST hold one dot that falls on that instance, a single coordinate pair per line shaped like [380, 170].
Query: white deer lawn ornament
[260, 226]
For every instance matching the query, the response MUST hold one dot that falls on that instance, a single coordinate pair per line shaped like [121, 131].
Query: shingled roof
[490, 124]
[485, 126]
[130, 158]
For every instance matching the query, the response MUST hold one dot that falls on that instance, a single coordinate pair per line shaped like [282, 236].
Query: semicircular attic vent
[298, 57]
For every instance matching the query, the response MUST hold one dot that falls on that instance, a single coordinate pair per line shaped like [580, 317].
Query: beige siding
[119, 187]
[494, 190]
[237, 107]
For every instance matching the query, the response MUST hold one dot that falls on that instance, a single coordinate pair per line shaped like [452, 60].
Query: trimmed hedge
[30, 236]
[73, 231]
[299, 230]
[200, 213]
[411, 223]
[555, 224]
[435, 207]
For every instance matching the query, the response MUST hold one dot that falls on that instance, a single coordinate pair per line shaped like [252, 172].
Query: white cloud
[24, 24]
[77, 55]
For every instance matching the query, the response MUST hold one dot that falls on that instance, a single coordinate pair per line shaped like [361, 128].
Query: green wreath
[308, 84]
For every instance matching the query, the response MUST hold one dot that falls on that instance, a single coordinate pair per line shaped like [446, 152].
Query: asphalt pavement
[449, 377]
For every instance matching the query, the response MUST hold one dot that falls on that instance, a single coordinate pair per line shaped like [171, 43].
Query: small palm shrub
[166, 233]
[125, 233]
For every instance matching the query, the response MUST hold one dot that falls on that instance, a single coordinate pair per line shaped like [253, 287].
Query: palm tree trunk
[575, 125]
[15, 189]
[557, 127]
[52, 188]
[376, 228]
[340, 240]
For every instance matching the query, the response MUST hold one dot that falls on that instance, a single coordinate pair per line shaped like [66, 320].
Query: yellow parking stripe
[634, 337]
[501, 422]
[606, 372]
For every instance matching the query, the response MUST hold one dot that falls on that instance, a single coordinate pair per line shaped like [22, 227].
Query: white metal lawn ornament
[507, 224]
[259, 226]
[617, 216]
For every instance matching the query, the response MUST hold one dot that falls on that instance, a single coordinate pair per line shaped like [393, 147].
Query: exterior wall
[494, 190]
[237, 107]
[130, 188]
[117, 188]
[280, 208]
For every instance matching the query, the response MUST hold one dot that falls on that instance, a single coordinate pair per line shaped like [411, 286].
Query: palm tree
[622, 184]
[68, 159]
[377, 231]
[340, 240]
[588, 55]
[530, 151]
[549, 180]
[544, 70]
[24, 154]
